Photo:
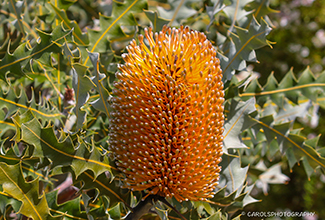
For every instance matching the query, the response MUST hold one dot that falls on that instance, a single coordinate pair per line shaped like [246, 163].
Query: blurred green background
[299, 33]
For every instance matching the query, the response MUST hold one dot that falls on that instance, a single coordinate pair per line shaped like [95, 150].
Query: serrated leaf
[241, 47]
[236, 11]
[6, 201]
[101, 103]
[272, 175]
[213, 10]
[13, 183]
[13, 103]
[16, 62]
[261, 8]
[291, 143]
[64, 153]
[16, 8]
[122, 14]
[81, 85]
[232, 175]
[70, 209]
[237, 121]
[79, 37]
[105, 185]
[307, 87]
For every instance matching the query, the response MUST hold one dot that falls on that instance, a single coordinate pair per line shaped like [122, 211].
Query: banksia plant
[167, 116]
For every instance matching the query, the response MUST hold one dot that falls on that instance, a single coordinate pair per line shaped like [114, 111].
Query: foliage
[57, 67]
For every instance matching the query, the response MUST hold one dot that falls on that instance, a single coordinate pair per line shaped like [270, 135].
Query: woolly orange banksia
[167, 115]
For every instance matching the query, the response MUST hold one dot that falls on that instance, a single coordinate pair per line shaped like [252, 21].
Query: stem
[141, 209]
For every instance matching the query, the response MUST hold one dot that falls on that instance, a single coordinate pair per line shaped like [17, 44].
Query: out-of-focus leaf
[290, 143]
[272, 175]
[213, 10]
[261, 8]
[78, 36]
[179, 9]
[236, 11]
[156, 21]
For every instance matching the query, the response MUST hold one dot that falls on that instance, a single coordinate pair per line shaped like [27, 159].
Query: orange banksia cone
[167, 115]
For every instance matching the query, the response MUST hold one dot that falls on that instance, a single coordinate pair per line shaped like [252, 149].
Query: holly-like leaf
[236, 11]
[63, 153]
[16, 8]
[13, 103]
[14, 184]
[81, 84]
[213, 10]
[79, 37]
[241, 47]
[16, 62]
[110, 27]
[101, 103]
[236, 122]
[70, 209]
[307, 87]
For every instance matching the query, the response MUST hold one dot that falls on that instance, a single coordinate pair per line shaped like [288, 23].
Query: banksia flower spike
[167, 115]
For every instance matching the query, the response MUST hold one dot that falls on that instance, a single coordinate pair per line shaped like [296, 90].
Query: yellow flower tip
[167, 119]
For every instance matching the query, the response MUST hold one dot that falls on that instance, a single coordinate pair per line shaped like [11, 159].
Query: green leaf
[81, 84]
[233, 191]
[79, 37]
[291, 144]
[261, 8]
[106, 185]
[272, 175]
[64, 153]
[236, 11]
[307, 87]
[16, 62]
[101, 103]
[237, 121]
[232, 175]
[42, 110]
[70, 209]
[122, 14]
[16, 8]
[241, 47]
[179, 9]
[156, 21]
[14, 184]
[213, 10]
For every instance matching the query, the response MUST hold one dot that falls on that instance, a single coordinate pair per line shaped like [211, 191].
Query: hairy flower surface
[167, 115]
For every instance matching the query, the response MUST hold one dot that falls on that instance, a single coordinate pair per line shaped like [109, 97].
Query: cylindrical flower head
[167, 115]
